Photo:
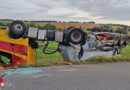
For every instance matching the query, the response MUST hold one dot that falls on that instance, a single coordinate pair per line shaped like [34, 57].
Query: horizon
[61, 21]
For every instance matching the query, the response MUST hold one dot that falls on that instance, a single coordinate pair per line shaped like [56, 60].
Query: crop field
[84, 26]
[64, 25]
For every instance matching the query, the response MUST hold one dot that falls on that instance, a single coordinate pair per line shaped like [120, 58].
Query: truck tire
[74, 36]
[17, 29]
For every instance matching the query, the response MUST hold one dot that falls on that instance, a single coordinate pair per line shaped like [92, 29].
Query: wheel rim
[18, 27]
[76, 36]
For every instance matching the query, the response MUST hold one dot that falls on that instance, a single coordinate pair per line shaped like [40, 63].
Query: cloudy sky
[100, 11]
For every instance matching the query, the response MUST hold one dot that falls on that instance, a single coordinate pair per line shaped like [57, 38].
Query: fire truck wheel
[17, 29]
[76, 36]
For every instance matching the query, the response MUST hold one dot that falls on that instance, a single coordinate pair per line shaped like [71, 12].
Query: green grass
[125, 56]
[48, 59]
[56, 59]
[5, 22]
[126, 51]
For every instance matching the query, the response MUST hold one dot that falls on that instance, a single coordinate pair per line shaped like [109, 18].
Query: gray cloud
[66, 9]
[108, 9]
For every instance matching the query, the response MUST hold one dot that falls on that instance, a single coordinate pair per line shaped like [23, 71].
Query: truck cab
[15, 51]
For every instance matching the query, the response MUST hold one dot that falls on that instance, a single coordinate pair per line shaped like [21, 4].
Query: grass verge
[56, 59]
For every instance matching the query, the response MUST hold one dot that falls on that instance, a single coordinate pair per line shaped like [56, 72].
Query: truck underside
[18, 43]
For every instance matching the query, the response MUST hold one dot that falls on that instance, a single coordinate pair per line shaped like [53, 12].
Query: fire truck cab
[14, 52]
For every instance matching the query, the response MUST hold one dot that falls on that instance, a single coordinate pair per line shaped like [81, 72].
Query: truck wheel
[17, 29]
[76, 36]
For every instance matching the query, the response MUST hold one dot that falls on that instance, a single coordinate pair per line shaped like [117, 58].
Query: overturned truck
[19, 43]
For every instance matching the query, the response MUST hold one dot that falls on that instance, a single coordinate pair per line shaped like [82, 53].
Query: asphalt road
[111, 76]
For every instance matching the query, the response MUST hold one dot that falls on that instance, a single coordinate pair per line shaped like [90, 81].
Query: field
[84, 26]
[64, 25]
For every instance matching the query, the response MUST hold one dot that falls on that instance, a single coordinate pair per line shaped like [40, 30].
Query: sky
[100, 11]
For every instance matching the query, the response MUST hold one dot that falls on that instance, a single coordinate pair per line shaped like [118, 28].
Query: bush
[106, 27]
[50, 27]
[2, 24]
[121, 31]
[89, 29]
[40, 27]
[33, 25]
